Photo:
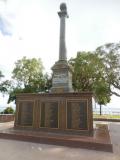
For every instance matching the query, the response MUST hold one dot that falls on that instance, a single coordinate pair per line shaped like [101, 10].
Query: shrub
[8, 110]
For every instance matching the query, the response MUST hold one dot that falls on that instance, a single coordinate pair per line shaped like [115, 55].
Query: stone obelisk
[62, 46]
[62, 76]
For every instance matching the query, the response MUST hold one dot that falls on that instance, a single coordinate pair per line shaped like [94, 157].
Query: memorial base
[55, 112]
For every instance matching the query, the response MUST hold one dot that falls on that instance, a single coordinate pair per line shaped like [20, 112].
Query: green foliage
[8, 110]
[101, 91]
[29, 78]
[109, 53]
[4, 85]
[13, 92]
[28, 71]
[87, 69]
[98, 71]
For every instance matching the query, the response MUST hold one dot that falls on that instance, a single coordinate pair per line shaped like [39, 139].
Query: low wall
[106, 119]
[6, 117]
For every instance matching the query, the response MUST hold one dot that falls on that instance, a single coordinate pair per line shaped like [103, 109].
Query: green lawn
[106, 116]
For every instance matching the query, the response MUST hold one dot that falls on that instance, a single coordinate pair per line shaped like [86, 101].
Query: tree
[8, 110]
[110, 56]
[88, 75]
[27, 71]
[98, 71]
[28, 77]
[2, 88]
[87, 69]
[12, 93]
[101, 93]
[4, 84]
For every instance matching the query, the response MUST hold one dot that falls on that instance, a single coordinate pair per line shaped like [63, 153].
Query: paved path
[16, 150]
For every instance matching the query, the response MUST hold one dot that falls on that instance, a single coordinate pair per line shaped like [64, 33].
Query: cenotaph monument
[61, 117]
[62, 110]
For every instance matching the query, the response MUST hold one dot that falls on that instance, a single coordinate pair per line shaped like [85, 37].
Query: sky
[31, 28]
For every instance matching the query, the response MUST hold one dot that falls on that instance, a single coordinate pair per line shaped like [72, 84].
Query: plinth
[62, 77]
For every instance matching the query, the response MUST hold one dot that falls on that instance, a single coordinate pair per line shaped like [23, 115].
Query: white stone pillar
[62, 45]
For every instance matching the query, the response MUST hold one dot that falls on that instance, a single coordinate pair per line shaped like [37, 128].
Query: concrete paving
[17, 150]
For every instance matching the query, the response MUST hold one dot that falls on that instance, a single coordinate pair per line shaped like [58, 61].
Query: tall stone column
[62, 76]
[62, 46]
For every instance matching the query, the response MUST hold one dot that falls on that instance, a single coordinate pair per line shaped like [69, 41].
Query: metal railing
[107, 111]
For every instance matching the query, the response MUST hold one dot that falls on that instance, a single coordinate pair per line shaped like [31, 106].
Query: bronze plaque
[77, 115]
[49, 114]
[25, 114]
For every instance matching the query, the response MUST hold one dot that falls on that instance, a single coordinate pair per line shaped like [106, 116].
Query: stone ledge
[82, 94]
[100, 140]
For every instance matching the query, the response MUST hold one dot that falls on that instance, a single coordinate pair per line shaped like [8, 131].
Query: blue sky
[31, 28]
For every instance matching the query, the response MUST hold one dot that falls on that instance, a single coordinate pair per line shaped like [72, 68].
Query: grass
[106, 116]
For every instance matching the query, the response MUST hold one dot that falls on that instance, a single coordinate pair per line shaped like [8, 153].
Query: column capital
[63, 14]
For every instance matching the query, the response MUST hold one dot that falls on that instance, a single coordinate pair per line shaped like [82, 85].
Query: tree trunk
[100, 109]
